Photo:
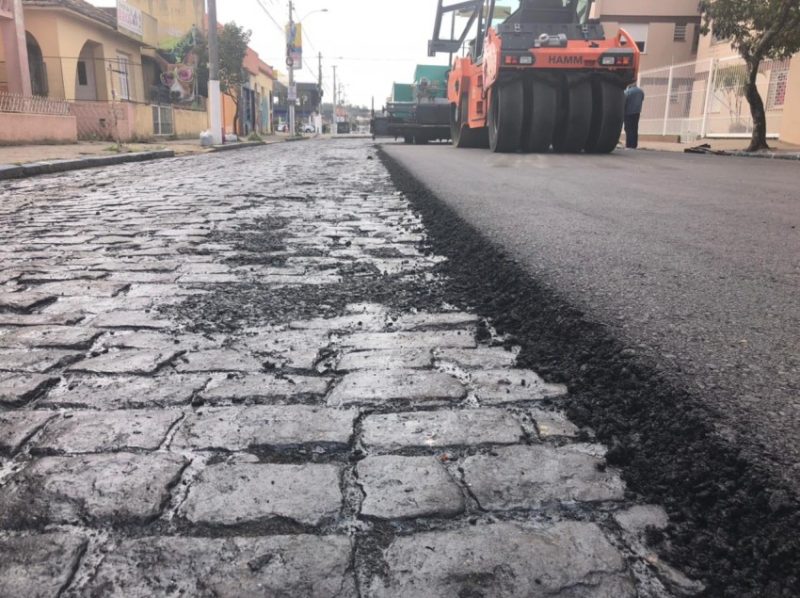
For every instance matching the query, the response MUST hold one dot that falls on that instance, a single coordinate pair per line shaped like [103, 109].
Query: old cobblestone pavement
[236, 375]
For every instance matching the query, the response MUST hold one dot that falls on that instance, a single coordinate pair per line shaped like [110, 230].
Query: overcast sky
[372, 42]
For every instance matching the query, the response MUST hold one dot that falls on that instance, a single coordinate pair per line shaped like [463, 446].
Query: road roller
[533, 75]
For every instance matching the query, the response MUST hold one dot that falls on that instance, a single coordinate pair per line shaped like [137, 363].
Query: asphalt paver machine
[535, 74]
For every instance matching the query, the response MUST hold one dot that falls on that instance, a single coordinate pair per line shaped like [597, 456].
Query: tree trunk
[236, 128]
[759, 139]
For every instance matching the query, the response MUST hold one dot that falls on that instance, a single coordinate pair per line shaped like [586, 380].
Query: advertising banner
[129, 18]
[294, 46]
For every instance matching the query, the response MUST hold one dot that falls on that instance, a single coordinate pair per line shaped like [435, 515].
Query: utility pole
[290, 64]
[334, 124]
[214, 96]
[319, 84]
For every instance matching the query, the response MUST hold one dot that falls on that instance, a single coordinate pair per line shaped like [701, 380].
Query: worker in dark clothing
[634, 100]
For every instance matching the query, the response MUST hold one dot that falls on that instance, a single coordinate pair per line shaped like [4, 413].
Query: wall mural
[184, 72]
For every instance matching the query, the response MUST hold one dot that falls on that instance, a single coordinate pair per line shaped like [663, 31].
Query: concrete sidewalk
[23, 154]
[734, 146]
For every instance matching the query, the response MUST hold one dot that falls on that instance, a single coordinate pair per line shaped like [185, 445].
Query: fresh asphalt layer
[693, 262]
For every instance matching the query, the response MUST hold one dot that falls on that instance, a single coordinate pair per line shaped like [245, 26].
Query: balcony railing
[33, 105]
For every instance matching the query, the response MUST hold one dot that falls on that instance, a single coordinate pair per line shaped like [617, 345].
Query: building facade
[695, 83]
[666, 31]
[72, 60]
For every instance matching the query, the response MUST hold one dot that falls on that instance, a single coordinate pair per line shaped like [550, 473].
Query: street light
[291, 65]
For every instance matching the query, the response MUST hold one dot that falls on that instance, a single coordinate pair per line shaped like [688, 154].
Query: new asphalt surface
[692, 262]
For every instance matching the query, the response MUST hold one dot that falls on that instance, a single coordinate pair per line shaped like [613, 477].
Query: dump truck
[417, 112]
[535, 75]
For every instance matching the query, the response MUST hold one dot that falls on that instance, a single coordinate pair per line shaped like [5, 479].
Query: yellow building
[778, 83]
[92, 60]
[695, 83]
[175, 17]
[666, 31]
[76, 52]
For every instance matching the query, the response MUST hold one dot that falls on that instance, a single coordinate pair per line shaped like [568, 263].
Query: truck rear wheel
[575, 121]
[541, 101]
[506, 112]
[463, 135]
[608, 116]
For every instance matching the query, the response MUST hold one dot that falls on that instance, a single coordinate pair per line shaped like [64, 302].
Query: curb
[246, 144]
[704, 150]
[234, 146]
[56, 166]
[766, 155]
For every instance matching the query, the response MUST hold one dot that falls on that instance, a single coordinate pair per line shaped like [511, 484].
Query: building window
[680, 32]
[83, 77]
[163, 123]
[639, 33]
[123, 68]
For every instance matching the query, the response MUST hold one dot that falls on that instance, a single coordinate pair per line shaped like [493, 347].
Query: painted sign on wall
[129, 18]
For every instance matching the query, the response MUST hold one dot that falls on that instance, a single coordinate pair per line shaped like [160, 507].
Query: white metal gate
[707, 98]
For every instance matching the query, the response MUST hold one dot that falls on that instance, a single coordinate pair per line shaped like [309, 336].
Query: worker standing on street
[634, 100]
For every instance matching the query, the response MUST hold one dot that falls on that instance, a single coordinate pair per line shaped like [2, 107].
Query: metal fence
[33, 105]
[707, 98]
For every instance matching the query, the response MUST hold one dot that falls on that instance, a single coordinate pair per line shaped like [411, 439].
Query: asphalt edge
[732, 525]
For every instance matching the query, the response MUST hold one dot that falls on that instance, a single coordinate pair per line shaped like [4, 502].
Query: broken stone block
[160, 341]
[16, 427]
[383, 386]
[122, 488]
[636, 519]
[495, 387]
[44, 319]
[230, 494]
[18, 389]
[34, 361]
[504, 559]
[526, 477]
[277, 428]
[428, 429]
[359, 322]
[387, 359]
[427, 321]
[83, 288]
[59, 337]
[107, 431]
[219, 360]
[480, 357]
[265, 387]
[407, 487]
[281, 566]
[24, 301]
[124, 392]
[130, 319]
[551, 424]
[366, 341]
[297, 349]
[38, 565]
[125, 362]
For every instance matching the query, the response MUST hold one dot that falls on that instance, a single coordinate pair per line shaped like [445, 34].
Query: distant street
[691, 260]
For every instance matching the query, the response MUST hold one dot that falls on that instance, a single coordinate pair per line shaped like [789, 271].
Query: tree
[758, 30]
[233, 42]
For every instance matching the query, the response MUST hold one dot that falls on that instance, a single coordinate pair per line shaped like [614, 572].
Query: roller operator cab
[535, 75]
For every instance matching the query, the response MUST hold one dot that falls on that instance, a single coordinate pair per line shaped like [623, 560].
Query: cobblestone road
[235, 375]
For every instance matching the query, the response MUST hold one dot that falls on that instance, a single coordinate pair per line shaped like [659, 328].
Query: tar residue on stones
[731, 525]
